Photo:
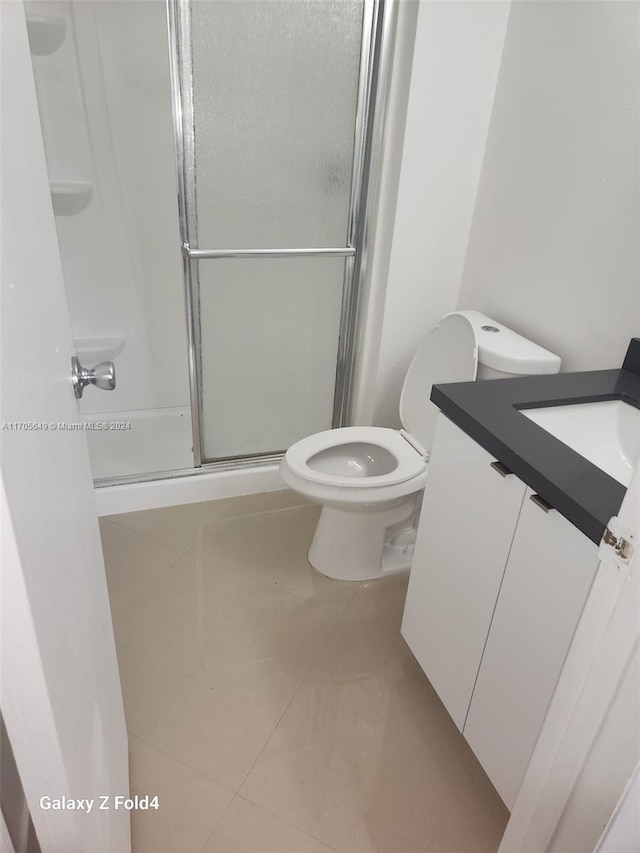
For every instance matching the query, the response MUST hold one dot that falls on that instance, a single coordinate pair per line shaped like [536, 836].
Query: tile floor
[274, 710]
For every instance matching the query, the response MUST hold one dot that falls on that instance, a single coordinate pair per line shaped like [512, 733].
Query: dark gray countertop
[489, 413]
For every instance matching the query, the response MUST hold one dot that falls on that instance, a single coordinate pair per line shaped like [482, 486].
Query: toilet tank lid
[503, 349]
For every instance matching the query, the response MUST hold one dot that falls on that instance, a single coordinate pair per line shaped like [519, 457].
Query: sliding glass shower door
[274, 98]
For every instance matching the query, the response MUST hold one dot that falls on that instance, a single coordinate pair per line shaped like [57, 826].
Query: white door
[588, 746]
[61, 697]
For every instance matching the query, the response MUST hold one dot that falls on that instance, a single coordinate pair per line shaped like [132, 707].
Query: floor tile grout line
[219, 821]
[210, 526]
[194, 548]
[145, 533]
[303, 679]
[272, 732]
[302, 683]
[288, 591]
[110, 519]
[306, 599]
[275, 586]
[293, 825]
[131, 735]
[355, 594]
[270, 585]
[153, 538]
[205, 527]
[278, 817]
[266, 511]
[161, 573]
[338, 616]
[289, 703]
[236, 792]
[351, 615]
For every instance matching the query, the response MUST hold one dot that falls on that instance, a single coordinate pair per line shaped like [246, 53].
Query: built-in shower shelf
[70, 197]
[46, 33]
[91, 351]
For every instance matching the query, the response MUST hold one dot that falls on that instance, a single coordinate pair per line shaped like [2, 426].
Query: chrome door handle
[103, 376]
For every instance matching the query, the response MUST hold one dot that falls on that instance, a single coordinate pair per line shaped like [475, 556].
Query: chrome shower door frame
[379, 19]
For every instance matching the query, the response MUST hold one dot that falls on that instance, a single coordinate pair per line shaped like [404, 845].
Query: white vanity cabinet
[496, 590]
[468, 518]
[550, 570]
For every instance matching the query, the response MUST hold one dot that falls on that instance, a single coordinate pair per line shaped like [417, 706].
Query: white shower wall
[105, 103]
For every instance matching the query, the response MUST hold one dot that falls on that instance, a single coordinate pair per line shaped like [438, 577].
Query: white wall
[554, 250]
[383, 198]
[457, 53]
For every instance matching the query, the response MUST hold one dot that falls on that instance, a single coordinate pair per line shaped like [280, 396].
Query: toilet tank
[503, 353]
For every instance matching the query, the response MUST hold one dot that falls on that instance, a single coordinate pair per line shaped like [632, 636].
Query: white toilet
[369, 480]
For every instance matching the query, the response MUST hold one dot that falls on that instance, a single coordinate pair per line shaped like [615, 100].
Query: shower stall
[211, 165]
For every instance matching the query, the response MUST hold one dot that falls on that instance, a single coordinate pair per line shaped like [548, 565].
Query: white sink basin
[607, 434]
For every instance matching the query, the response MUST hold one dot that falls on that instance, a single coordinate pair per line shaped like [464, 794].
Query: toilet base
[360, 546]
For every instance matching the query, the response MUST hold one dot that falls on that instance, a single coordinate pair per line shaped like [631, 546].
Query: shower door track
[379, 24]
[234, 464]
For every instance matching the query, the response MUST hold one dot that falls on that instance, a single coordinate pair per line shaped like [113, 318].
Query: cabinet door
[468, 517]
[549, 573]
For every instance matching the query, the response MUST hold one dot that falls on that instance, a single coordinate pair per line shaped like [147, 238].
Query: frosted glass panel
[275, 87]
[269, 350]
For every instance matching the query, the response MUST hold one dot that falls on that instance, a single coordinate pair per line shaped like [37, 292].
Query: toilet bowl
[369, 480]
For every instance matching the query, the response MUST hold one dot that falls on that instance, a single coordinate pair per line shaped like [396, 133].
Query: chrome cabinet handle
[501, 469]
[538, 501]
[103, 376]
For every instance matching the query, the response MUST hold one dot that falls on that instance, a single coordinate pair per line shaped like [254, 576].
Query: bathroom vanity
[506, 552]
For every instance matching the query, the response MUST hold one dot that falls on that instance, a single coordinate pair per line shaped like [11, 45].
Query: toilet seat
[369, 480]
[409, 462]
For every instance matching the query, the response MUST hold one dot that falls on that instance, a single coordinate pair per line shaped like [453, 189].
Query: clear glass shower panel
[269, 346]
[275, 91]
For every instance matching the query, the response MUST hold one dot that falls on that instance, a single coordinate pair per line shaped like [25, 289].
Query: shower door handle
[103, 376]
